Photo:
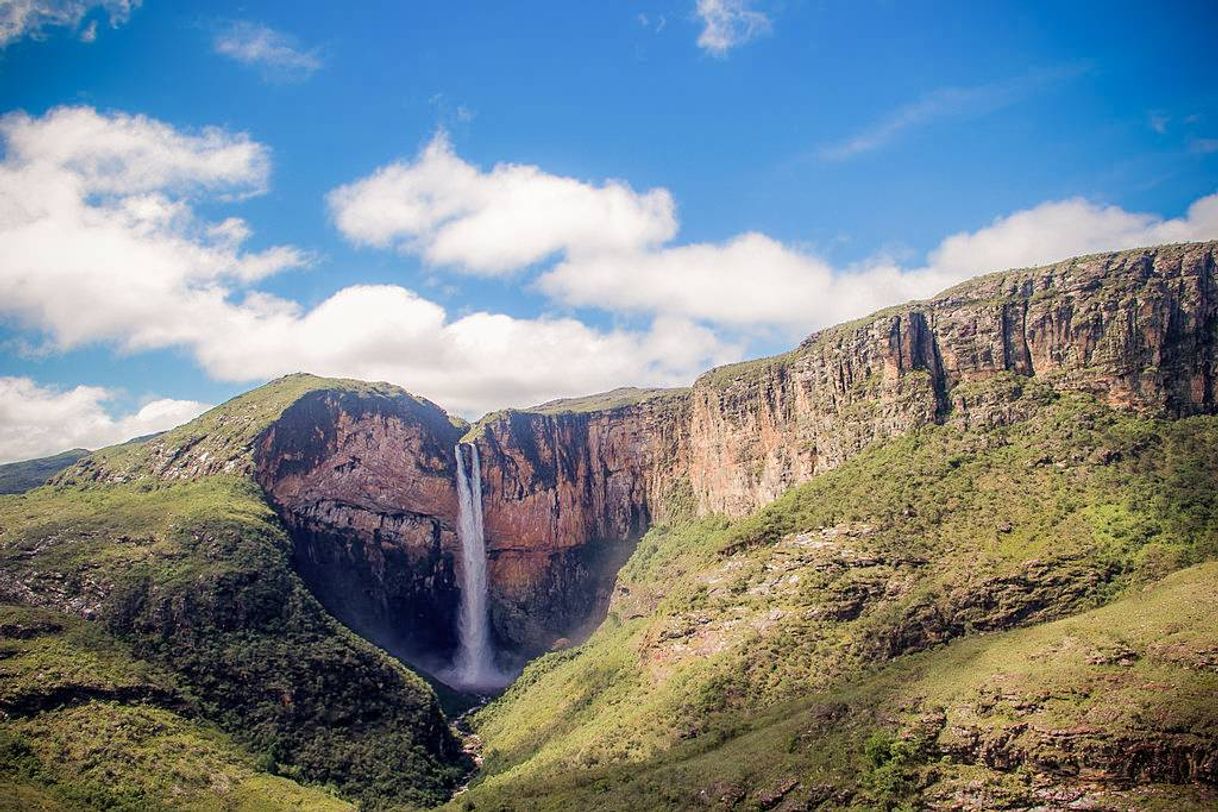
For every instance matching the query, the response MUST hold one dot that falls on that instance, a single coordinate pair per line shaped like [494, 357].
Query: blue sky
[495, 203]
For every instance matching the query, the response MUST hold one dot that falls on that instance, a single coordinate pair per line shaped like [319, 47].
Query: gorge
[666, 560]
[370, 484]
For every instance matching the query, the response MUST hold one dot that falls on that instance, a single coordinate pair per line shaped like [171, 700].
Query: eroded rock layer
[1135, 328]
[365, 485]
[367, 482]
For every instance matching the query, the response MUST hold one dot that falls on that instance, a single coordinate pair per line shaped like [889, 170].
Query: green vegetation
[604, 401]
[1055, 697]
[18, 477]
[195, 578]
[831, 592]
[220, 440]
[86, 725]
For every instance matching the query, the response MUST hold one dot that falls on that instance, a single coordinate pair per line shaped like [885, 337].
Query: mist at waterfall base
[473, 668]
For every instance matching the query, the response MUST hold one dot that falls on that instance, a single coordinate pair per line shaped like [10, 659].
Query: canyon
[670, 566]
[367, 483]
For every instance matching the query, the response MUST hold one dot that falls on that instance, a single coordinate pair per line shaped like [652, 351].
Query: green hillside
[192, 576]
[88, 725]
[780, 655]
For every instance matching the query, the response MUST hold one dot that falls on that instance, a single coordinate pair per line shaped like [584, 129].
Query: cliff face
[365, 485]
[565, 495]
[1136, 328]
[366, 480]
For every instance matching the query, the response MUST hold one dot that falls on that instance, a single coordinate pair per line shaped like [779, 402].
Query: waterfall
[474, 665]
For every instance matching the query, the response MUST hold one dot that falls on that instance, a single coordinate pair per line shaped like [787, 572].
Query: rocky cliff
[364, 476]
[567, 489]
[1137, 328]
[365, 484]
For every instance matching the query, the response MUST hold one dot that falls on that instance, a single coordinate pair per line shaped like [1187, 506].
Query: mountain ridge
[1061, 412]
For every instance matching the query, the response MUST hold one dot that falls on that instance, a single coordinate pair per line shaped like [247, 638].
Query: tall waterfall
[474, 665]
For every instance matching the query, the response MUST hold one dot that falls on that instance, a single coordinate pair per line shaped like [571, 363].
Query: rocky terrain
[1024, 447]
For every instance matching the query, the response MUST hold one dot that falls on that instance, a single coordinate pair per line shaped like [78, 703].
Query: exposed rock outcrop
[364, 483]
[566, 493]
[1137, 329]
[365, 477]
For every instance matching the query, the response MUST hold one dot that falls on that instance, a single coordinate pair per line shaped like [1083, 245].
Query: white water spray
[474, 665]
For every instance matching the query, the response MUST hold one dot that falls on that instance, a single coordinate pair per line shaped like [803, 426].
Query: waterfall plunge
[474, 666]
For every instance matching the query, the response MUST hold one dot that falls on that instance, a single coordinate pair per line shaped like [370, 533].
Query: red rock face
[1136, 329]
[564, 498]
[366, 486]
[368, 482]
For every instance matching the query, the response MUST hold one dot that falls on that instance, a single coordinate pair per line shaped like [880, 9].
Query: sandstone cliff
[1137, 328]
[566, 492]
[365, 484]
[364, 474]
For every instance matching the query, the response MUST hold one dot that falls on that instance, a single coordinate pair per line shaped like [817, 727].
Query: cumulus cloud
[727, 24]
[37, 421]
[102, 242]
[1061, 229]
[755, 281]
[98, 231]
[614, 249]
[451, 213]
[31, 18]
[264, 47]
[472, 364]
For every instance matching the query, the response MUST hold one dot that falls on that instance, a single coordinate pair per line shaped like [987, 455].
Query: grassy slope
[1052, 697]
[87, 725]
[17, 477]
[194, 575]
[923, 540]
[225, 433]
[613, 399]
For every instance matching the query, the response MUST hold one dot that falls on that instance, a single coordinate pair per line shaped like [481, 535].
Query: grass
[195, 579]
[934, 537]
[88, 725]
[1134, 673]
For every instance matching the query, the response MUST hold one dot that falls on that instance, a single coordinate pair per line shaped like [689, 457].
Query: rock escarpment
[565, 494]
[364, 483]
[1138, 329]
[368, 483]
[364, 476]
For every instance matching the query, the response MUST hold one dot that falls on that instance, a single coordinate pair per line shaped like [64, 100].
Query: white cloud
[264, 47]
[37, 421]
[98, 232]
[727, 24]
[496, 222]
[1066, 228]
[614, 249]
[754, 281]
[22, 18]
[102, 242]
[471, 364]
